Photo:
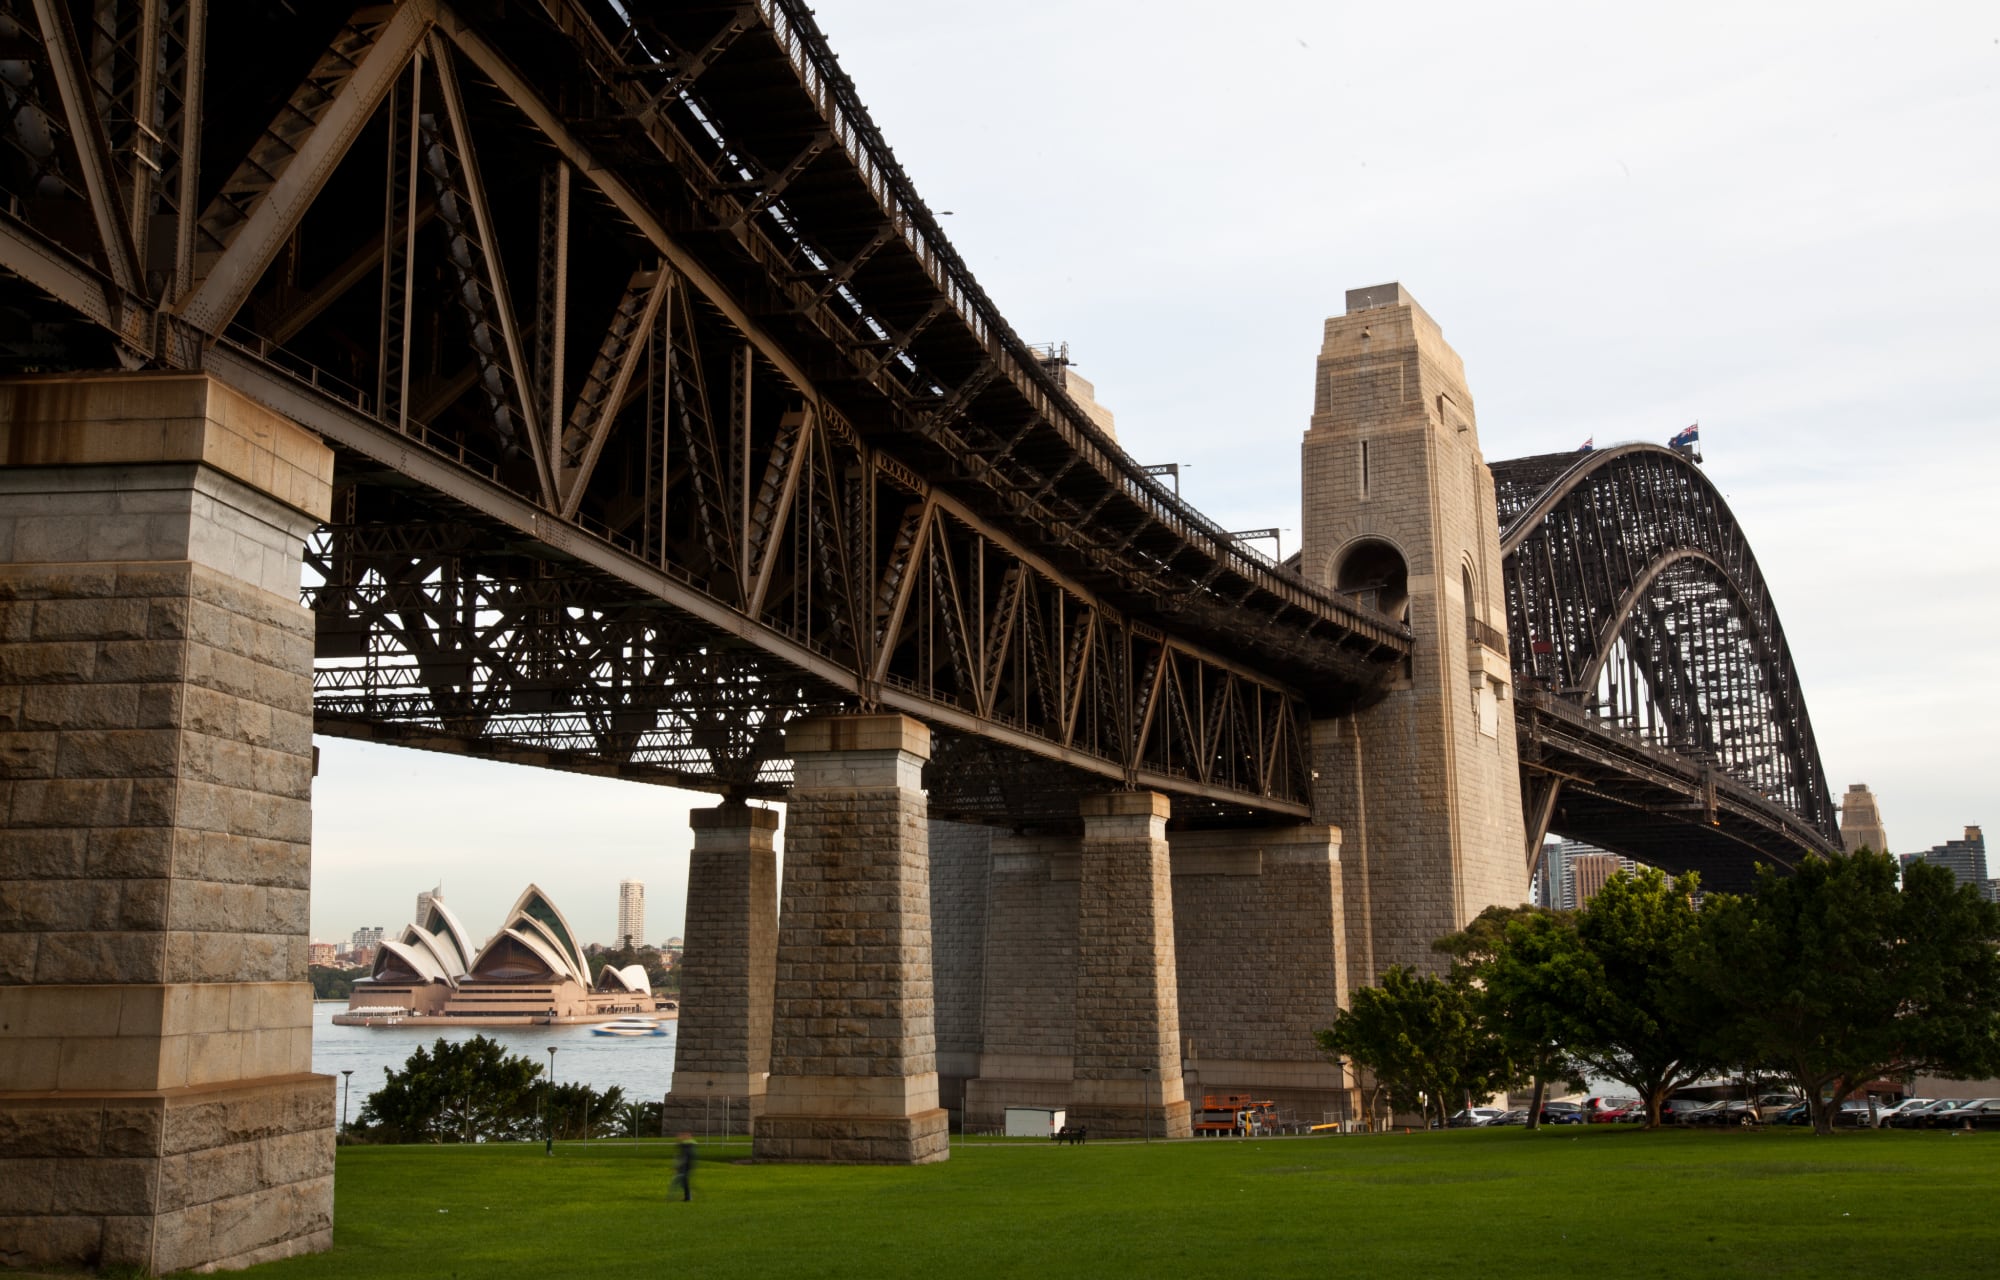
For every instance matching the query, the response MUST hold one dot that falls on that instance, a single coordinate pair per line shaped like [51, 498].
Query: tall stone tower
[1861, 821]
[1399, 512]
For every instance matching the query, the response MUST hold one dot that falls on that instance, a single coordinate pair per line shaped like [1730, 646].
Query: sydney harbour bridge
[637, 419]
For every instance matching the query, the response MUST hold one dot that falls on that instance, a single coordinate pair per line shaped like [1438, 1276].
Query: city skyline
[1764, 223]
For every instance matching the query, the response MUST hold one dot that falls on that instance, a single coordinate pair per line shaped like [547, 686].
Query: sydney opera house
[532, 971]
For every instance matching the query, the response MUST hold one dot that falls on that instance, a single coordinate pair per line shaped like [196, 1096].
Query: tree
[334, 984]
[1525, 964]
[472, 1091]
[1837, 977]
[1605, 987]
[569, 1104]
[641, 1119]
[1630, 1021]
[1421, 1036]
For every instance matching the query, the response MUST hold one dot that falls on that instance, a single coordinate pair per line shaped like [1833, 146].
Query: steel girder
[1644, 632]
[662, 411]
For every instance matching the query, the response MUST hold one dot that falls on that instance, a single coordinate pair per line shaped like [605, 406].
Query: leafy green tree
[1606, 988]
[1836, 976]
[1629, 1020]
[1521, 961]
[1422, 1038]
[640, 1120]
[573, 1103]
[334, 984]
[472, 1091]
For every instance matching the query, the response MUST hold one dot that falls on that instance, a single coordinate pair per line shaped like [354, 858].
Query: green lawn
[1605, 1202]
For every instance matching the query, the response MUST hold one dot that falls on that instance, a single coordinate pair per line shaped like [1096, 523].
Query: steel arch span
[1660, 713]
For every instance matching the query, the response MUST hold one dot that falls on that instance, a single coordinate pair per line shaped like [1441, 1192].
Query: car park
[1914, 1117]
[1971, 1113]
[1476, 1117]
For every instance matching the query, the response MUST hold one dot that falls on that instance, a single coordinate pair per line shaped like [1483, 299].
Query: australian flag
[1686, 439]
[1588, 445]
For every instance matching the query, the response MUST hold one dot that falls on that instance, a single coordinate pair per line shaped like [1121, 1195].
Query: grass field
[1603, 1202]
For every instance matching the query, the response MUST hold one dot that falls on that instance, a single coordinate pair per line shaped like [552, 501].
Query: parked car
[1797, 1113]
[1561, 1111]
[1902, 1106]
[1608, 1110]
[1913, 1117]
[1519, 1115]
[1976, 1113]
[1729, 1111]
[1676, 1110]
[1853, 1114]
[1771, 1104]
[1476, 1117]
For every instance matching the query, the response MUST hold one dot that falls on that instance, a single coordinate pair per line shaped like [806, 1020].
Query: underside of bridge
[636, 419]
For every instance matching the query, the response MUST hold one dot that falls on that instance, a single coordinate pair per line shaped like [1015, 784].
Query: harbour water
[643, 1065]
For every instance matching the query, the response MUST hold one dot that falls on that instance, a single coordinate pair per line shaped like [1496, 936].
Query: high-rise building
[1589, 872]
[631, 912]
[1965, 859]
[424, 901]
[1861, 821]
[1572, 873]
[367, 936]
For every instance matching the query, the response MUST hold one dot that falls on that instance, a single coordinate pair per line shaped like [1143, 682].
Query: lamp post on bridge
[1168, 469]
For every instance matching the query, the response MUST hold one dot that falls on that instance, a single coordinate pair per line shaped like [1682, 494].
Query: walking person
[684, 1167]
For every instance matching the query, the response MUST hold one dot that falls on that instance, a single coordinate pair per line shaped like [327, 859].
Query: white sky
[1776, 219]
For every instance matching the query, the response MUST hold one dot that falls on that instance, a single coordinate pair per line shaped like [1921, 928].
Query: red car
[1610, 1110]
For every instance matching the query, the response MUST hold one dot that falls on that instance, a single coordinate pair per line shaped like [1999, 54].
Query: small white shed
[1035, 1122]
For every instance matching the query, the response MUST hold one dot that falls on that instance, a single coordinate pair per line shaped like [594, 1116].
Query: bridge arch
[1634, 598]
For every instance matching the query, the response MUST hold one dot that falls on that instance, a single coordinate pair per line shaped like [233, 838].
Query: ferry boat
[629, 1027]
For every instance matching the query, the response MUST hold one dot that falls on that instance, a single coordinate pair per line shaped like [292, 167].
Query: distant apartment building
[1572, 873]
[1965, 859]
[323, 954]
[631, 912]
[424, 901]
[1861, 821]
[366, 936]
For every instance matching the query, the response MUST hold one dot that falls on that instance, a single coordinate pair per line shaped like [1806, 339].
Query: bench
[1073, 1136]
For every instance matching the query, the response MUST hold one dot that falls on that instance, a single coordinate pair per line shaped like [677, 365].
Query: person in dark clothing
[684, 1167]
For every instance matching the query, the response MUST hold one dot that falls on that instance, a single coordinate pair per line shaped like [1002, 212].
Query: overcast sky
[1778, 220]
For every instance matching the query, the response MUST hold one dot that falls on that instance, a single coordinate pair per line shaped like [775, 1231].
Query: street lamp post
[1146, 1102]
[549, 1131]
[346, 1078]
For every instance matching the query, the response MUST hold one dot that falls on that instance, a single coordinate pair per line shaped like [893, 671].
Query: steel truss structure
[663, 413]
[1660, 715]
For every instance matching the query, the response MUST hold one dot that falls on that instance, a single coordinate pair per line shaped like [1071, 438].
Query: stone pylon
[853, 1048]
[1861, 821]
[157, 1107]
[1399, 511]
[1128, 1027]
[722, 1054]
